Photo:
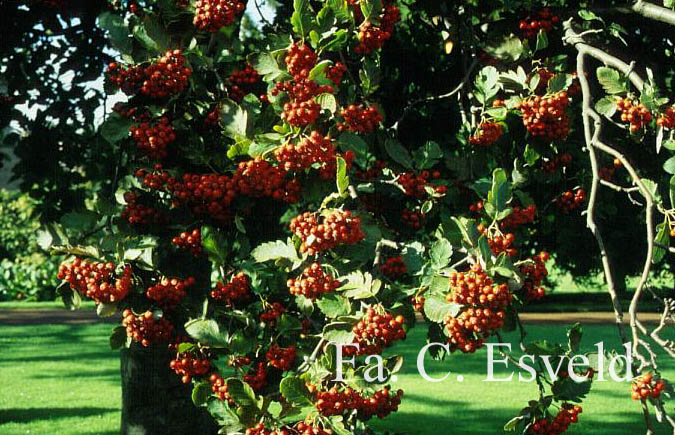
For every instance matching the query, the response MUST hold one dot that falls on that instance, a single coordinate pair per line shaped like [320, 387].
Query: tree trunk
[154, 400]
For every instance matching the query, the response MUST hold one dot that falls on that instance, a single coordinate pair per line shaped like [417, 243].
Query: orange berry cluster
[542, 20]
[96, 280]
[206, 194]
[257, 178]
[484, 303]
[394, 267]
[500, 243]
[335, 72]
[667, 119]
[145, 329]
[238, 361]
[545, 117]
[313, 149]
[242, 82]
[237, 290]
[487, 134]
[544, 77]
[567, 415]
[645, 386]
[212, 15]
[478, 207]
[413, 218]
[272, 313]
[569, 200]
[337, 228]
[335, 402]
[301, 89]
[312, 283]
[188, 366]
[163, 78]
[560, 160]
[300, 59]
[636, 115]
[138, 214]
[303, 428]
[375, 331]
[258, 379]
[219, 388]
[360, 119]
[372, 37]
[534, 275]
[169, 292]
[153, 138]
[519, 216]
[414, 184]
[301, 113]
[418, 303]
[281, 358]
[191, 241]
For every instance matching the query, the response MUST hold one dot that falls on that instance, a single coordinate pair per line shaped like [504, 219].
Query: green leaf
[567, 389]
[398, 153]
[587, 15]
[266, 65]
[152, 35]
[225, 417]
[669, 165]
[274, 251]
[352, 142]
[574, 337]
[559, 82]
[207, 331]
[497, 113]
[662, 238]
[428, 155]
[327, 102]
[201, 393]
[606, 106]
[500, 192]
[115, 128]
[508, 49]
[81, 221]
[370, 8]
[234, 119]
[118, 337]
[341, 175]
[440, 253]
[334, 305]
[114, 24]
[486, 85]
[338, 332]
[653, 188]
[672, 191]
[106, 310]
[71, 299]
[295, 391]
[542, 41]
[484, 249]
[301, 19]
[512, 424]
[437, 308]
[359, 285]
[214, 244]
[412, 254]
[611, 80]
[531, 155]
[242, 393]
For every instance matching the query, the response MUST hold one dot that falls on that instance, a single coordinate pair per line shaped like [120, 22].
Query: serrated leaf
[352, 142]
[207, 331]
[214, 244]
[611, 80]
[295, 391]
[398, 153]
[427, 155]
[242, 393]
[234, 119]
[342, 180]
[118, 337]
[200, 393]
[669, 165]
[275, 251]
[542, 41]
[333, 306]
[441, 253]
[339, 332]
[662, 238]
[559, 82]
[106, 310]
[301, 19]
[606, 106]
[327, 102]
[437, 308]
[114, 24]
[115, 129]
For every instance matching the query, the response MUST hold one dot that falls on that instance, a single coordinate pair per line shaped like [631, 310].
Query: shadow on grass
[26, 415]
[89, 356]
[114, 375]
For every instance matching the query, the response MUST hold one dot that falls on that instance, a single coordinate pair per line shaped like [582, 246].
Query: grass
[64, 379]
[42, 305]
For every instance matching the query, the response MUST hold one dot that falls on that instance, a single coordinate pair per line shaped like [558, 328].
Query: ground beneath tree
[42, 317]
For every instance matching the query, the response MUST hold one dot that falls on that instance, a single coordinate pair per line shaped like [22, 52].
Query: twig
[309, 361]
[384, 243]
[262, 17]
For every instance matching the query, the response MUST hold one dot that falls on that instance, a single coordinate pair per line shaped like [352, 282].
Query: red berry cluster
[272, 313]
[139, 214]
[560, 160]
[212, 15]
[126, 111]
[375, 331]
[301, 89]
[413, 218]
[667, 119]
[373, 171]
[169, 292]
[207, 194]
[96, 280]
[167, 76]
[127, 78]
[213, 117]
[606, 173]
[312, 283]
[488, 133]
[545, 117]
[300, 59]
[281, 358]
[153, 138]
[237, 290]
[567, 415]
[418, 303]
[372, 37]
[191, 241]
[534, 275]
[301, 113]
[500, 243]
[335, 72]
[569, 200]
[337, 228]
[242, 82]
[519, 216]
[636, 115]
[335, 402]
[188, 366]
[394, 267]
[542, 20]
[484, 303]
[360, 118]
[414, 184]
[258, 178]
[478, 207]
[645, 386]
[303, 428]
[313, 149]
[238, 361]
[145, 329]
[544, 77]
[258, 379]
[219, 388]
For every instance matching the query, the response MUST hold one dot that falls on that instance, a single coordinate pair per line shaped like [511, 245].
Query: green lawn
[62, 379]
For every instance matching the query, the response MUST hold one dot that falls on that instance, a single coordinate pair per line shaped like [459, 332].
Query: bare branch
[654, 12]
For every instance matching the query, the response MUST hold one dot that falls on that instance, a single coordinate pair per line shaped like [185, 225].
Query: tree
[277, 197]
